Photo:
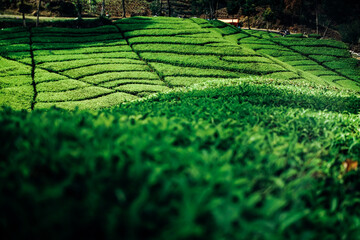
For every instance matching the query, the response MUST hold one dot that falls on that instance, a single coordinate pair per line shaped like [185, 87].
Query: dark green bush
[350, 32]
[248, 161]
[63, 8]
[317, 36]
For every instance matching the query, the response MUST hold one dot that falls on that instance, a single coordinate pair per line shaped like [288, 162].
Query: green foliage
[120, 82]
[73, 95]
[205, 163]
[60, 85]
[176, 49]
[295, 35]
[141, 26]
[194, 50]
[104, 68]
[111, 76]
[322, 51]
[211, 63]
[233, 7]
[175, 40]
[252, 158]
[249, 7]
[76, 39]
[120, 48]
[107, 29]
[72, 64]
[172, 70]
[163, 32]
[138, 87]
[350, 32]
[313, 35]
[101, 101]
[269, 15]
[70, 45]
[69, 56]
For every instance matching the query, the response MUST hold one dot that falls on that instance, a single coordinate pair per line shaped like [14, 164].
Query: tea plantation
[249, 135]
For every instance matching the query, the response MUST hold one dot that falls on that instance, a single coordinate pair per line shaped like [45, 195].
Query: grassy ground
[155, 54]
[248, 136]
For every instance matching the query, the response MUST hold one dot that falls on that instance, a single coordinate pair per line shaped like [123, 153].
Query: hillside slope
[249, 136]
[104, 66]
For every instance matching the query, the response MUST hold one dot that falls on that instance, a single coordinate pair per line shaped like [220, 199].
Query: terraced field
[251, 135]
[105, 66]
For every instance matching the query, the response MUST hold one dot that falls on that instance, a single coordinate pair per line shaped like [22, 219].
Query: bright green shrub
[137, 87]
[71, 64]
[14, 81]
[104, 68]
[282, 76]
[211, 62]
[216, 159]
[120, 48]
[163, 32]
[76, 39]
[60, 85]
[312, 35]
[59, 46]
[322, 51]
[171, 70]
[313, 67]
[245, 59]
[120, 82]
[73, 95]
[295, 35]
[9, 35]
[325, 58]
[276, 52]
[141, 26]
[127, 75]
[102, 101]
[194, 50]
[149, 20]
[77, 31]
[8, 42]
[174, 40]
[17, 97]
[294, 57]
[306, 62]
[349, 84]
[187, 81]
[67, 57]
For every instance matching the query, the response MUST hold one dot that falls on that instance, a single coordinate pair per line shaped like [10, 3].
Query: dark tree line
[344, 15]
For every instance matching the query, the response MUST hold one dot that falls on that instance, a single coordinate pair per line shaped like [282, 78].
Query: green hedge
[238, 162]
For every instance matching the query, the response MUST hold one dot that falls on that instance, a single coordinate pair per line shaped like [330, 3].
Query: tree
[233, 7]
[79, 9]
[102, 13]
[22, 10]
[345, 17]
[38, 13]
[123, 7]
[156, 7]
[212, 8]
[92, 5]
[197, 7]
[268, 16]
[249, 9]
[169, 7]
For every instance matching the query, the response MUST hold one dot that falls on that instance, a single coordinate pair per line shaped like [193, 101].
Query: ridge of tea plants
[168, 128]
[104, 66]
